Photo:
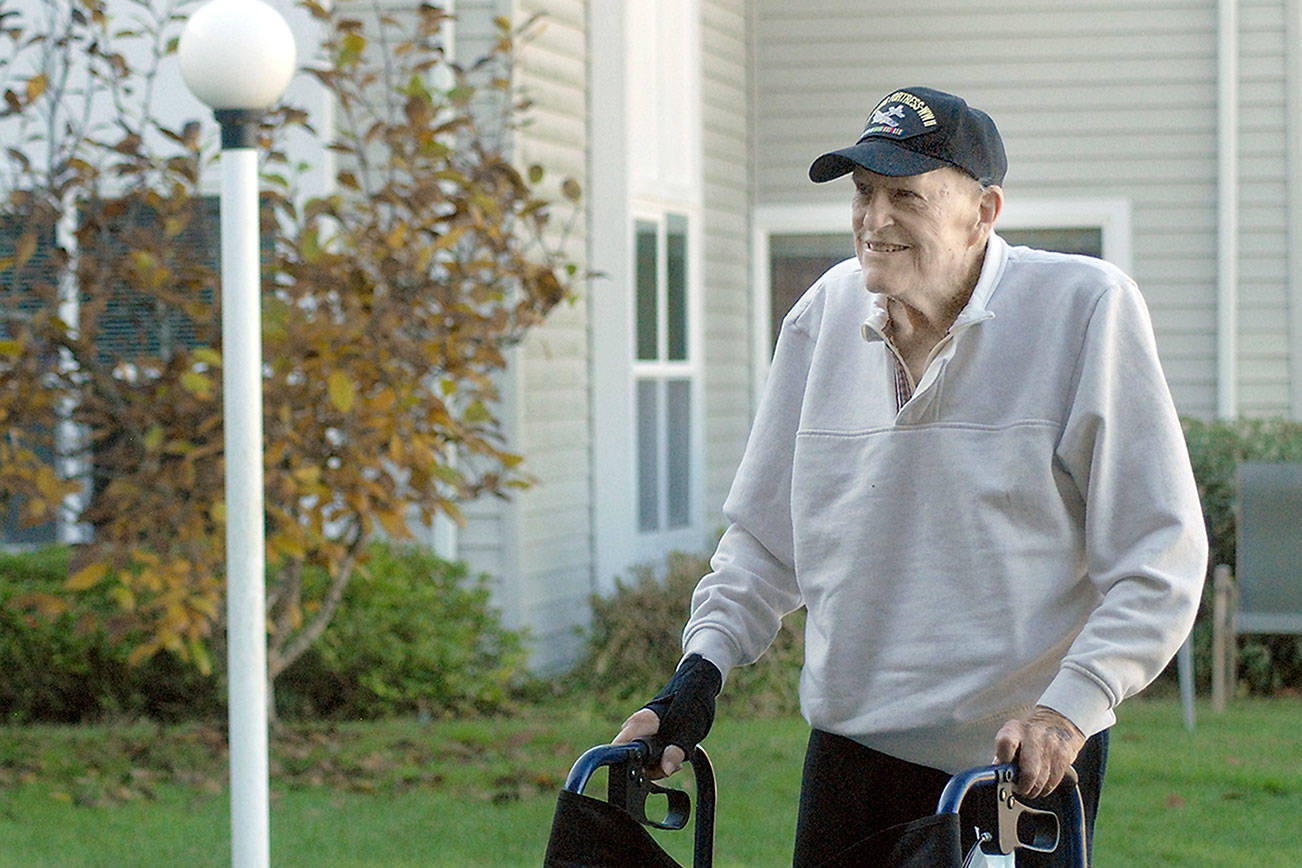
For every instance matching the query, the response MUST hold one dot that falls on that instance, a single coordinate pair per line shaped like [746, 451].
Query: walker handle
[629, 788]
[1011, 810]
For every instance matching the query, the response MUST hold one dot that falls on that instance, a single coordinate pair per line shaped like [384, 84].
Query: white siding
[555, 538]
[1263, 243]
[726, 145]
[488, 542]
[1103, 98]
[536, 546]
[474, 27]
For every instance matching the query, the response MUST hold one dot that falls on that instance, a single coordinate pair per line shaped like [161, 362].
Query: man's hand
[680, 714]
[1043, 746]
[643, 723]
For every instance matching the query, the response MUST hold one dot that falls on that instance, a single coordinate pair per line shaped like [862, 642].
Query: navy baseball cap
[916, 130]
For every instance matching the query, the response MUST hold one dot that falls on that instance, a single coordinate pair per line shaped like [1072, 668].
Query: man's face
[916, 236]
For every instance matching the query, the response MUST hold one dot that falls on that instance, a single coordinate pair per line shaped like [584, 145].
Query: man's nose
[876, 212]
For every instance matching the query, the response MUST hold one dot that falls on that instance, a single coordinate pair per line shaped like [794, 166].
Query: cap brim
[876, 155]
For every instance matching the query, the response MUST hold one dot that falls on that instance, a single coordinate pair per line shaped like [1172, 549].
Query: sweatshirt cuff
[713, 645]
[1081, 700]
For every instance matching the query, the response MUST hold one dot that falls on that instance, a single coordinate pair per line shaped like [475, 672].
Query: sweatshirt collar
[976, 310]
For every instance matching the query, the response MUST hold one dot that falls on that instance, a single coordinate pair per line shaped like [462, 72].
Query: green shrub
[416, 634]
[71, 667]
[1216, 450]
[1266, 663]
[635, 639]
[635, 642]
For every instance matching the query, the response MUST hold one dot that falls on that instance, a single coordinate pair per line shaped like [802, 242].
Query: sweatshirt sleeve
[737, 608]
[1145, 539]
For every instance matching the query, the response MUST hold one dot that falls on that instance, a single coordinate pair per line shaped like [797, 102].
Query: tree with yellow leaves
[388, 307]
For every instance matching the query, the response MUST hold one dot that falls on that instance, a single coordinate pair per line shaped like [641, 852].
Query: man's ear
[989, 209]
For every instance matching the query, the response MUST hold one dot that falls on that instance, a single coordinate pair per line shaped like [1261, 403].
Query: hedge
[1267, 664]
[415, 635]
[73, 667]
[635, 642]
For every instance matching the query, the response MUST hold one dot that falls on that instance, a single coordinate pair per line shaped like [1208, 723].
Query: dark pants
[849, 792]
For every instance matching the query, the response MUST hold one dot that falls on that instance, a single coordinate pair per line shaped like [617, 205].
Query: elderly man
[968, 468]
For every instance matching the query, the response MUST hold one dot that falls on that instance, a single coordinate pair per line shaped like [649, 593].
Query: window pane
[648, 455]
[678, 435]
[1086, 239]
[676, 280]
[23, 292]
[645, 283]
[136, 323]
[27, 290]
[39, 436]
[795, 262]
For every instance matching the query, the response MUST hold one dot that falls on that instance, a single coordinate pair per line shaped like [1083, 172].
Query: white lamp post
[237, 56]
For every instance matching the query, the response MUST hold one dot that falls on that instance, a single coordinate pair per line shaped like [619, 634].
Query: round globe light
[237, 54]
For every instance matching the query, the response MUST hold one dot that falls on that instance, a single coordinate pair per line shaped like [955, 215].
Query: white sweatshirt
[1025, 530]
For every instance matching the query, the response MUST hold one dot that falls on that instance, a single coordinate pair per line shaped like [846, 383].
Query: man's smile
[884, 247]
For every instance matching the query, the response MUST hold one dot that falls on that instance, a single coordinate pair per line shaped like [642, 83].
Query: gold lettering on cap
[916, 103]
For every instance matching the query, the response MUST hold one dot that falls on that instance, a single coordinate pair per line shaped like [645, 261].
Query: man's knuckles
[639, 724]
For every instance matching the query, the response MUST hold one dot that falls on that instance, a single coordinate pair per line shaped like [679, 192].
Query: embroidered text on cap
[901, 115]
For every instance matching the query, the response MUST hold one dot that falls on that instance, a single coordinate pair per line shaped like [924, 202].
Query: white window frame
[639, 171]
[1110, 215]
[651, 545]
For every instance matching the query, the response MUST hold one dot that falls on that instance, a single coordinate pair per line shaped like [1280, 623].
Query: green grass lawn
[1228, 793]
[481, 792]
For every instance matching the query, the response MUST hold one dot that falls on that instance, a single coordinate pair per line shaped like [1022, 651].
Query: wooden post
[1185, 666]
[1223, 639]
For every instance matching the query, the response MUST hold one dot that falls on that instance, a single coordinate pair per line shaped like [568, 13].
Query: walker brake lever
[1016, 819]
[629, 787]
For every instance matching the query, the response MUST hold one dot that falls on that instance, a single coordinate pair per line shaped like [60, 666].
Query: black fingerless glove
[686, 705]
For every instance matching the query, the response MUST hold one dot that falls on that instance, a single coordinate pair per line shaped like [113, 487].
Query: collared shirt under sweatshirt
[1024, 530]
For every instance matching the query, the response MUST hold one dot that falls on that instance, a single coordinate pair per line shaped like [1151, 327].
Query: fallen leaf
[341, 391]
[87, 577]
